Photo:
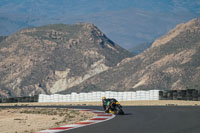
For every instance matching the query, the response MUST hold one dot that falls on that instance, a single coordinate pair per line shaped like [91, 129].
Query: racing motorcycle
[115, 108]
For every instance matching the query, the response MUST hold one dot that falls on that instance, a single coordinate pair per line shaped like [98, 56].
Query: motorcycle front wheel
[119, 111]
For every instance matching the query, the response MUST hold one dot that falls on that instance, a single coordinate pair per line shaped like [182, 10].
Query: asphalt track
[148, 120]
[162, 119]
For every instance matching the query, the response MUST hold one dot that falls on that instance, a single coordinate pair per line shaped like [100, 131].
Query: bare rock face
[173, 62]
[54, 58]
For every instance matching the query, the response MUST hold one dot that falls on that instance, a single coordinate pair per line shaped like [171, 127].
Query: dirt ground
[29, 120]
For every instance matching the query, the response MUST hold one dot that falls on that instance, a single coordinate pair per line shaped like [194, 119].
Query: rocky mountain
[54, 58]
[172, 62]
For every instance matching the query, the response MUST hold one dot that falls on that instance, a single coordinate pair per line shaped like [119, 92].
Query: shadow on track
[127, 114]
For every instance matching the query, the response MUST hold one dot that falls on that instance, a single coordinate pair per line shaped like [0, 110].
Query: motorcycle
[115, 108]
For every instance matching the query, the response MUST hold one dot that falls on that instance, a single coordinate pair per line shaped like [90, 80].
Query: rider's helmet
[103, 98]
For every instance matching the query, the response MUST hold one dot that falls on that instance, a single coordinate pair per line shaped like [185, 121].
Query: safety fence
[189, 94]
[96, 96]
[19, 99]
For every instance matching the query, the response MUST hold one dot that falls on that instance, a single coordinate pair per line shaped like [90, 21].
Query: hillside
[172, 62]
[54, 58]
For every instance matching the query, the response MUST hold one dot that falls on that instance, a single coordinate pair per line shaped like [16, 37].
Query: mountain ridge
[55, 57]
[80, 58]
[140, 48]
[174, 64]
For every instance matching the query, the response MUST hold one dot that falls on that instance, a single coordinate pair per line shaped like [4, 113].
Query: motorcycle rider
[104, 101]
[108, 104]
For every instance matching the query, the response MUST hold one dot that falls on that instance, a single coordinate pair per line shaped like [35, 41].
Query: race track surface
[162, 119]
[148, 120]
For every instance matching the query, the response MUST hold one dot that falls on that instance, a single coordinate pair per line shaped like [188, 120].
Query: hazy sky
[127, 22]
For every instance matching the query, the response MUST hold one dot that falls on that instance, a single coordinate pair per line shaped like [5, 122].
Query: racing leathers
[108, 104]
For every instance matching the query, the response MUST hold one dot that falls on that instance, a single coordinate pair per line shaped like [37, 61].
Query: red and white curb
[101, 116]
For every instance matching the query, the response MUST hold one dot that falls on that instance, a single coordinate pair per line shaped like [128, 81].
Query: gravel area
[30, 120]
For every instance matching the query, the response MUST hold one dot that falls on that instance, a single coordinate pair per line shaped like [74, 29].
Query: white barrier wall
[96, 96]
